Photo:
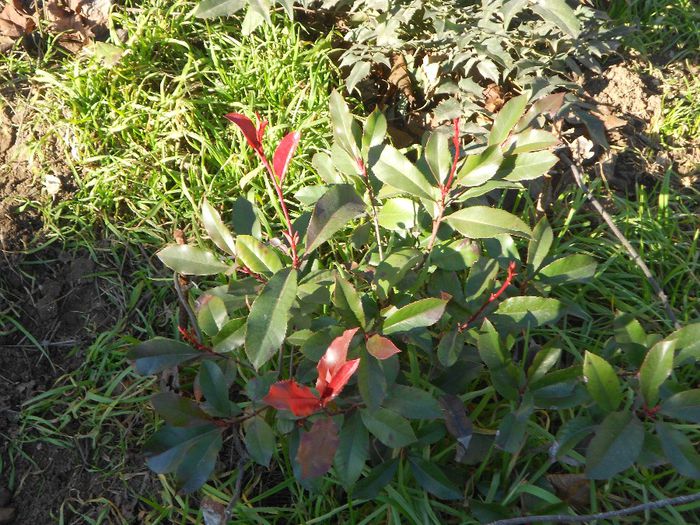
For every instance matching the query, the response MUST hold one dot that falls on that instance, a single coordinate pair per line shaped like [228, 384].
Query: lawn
[110, 155]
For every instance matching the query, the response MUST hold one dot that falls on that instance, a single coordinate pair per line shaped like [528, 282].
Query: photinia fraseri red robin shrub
[395, 292]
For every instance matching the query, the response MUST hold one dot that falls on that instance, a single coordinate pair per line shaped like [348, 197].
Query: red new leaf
[252, 135]
[332, 362]
[340, 379]
[284, 153]
[381, 347]
[288, 395]
[317, 448]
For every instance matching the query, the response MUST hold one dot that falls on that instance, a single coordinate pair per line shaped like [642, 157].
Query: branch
[236, 496]
[625, 243]
[186, 306]
[565, 518]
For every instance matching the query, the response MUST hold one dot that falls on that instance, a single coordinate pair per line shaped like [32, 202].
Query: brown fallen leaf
[493, 98]
[15, 21]
[400, 79]
[572, 488]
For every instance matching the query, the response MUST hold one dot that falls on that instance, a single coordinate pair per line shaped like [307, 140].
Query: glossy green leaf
[616, 445]
[212, 314]
[380, 476]
[490, 347]
[394, 169]
[510, 9]
[657, 366]
[398, 214]
[683, 405]
[216, 8]
[359, 71]
[346, 299]
[560, 14]
[244, 218]
[532, 140]
[601, 382]
[374, 131]
[259, 440]
[506, 119]
[438, 156]
[544, 360]
[424, 312]
[388, 427]
[393, 268]
[512, 432]
[412, 403]
[433, 479]
[480, 168]
[481, 275]
[569, 269]
[339, 205]
[479, 222]
[269, 314]
[189, 452]
[353, 450]
[215, 389]
[450, 347]
[346, 131]
[455, 256]
[456, 420]
[687, 342]
[527, 166]
[190, 260]
[257, 257]
[159, 353]
[540, 243]
[217, 230]
[231, 336]
[371, 381]
[178, 411]
[529, 311]
[679, 450]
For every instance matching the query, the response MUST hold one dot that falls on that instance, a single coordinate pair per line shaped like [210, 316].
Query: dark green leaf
[679, 450]
[456, 420]
[687, 342]
[267, 322]
[388, 427]
[455, 256]
[190, 260]
[353, 450]
[490, 348]
[376, 480]
[615, 446]
[544, 360]
[339, 205]
[655, 369]
[683, 405]
[231, 336]
[480, 168]
[259, 440]
[256, 256]
[602, 382]
[245, 219]
[217, 230]
[412, 403]
[481, 274]
[159, 353]
[512, 432]
[346, 299]
[215, 389]
[359, 71]
[506, 119]
[540, 243]
[432, 479]
[393, 268]
[394, 169]
[178, 411]
[569, 269]
[529, 311]
[371, 381]
[527, 166]
[478, 222]
[424, 312]
[345, 129]
[450, 347]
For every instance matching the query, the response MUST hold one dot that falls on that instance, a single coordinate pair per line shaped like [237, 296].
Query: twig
[509, 279]
[625, 243]
[186, 306]
[242, 456]
[679, 500]
[373, 202]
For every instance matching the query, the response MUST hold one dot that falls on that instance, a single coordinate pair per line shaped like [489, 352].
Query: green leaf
[510, 9]
[339, 205]
[346, 298]
[178, 411]
[424, 312]
[532, 140]
[217, 230]
[481, 274]
[560, 14]
[380, 476]
[230, 337]
[244, 218]
[215, 8]
[456, 256]
[655, 369]
[540, 243]
[398, 214]
[569, 269]
[212, 314]
[353, 450]
[506, 119]
[412, 403]
[527, 166]
[450, 347]
[679, 450]
[480, 168]
[393, 268]
[687, 342]
[256, 256]
[388, 427]
[323, 164]
[267, 322]
[374, 131]
[394, 169]
[544, 360]
[189, 452]
[157, 354]
[616, 445]
[259, 440]
[512, 432]
[190, 260]
[345, 129]
[683, 405]
[479, 222]
[215, 389]
[601, 382]
[359, 71]
[432, 479]
[490, 348]
[438, 156]
[458, 424]
[371, 380]
[529, 311]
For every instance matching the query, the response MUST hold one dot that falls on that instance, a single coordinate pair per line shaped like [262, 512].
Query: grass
[146, 141]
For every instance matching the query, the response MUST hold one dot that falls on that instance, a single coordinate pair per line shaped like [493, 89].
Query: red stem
[509, 279]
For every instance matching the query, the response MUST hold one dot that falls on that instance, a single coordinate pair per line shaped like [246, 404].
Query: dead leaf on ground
[493, 98]
[15, 21]
[400, 79]
[572, 488]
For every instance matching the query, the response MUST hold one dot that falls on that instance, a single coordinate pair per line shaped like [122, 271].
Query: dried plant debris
[76, 22]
